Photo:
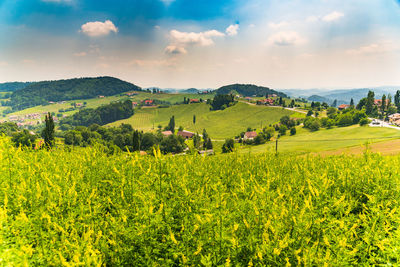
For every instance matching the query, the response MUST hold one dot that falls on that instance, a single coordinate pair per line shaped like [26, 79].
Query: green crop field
[219, 124]
[84, 207]
[326, 139]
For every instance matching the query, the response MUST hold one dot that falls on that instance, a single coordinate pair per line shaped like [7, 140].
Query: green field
[96, 102]
[325, 140]
[87, 208]
[219, 124]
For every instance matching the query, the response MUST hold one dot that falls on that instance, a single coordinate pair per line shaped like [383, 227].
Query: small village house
[343, 107]
[250, 135]
[186, 134]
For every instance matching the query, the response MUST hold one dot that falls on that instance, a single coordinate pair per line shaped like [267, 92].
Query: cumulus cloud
[277, 25]
[181, 40]
[286, 39]
[333, 16]
[175, 50]
[98, 28]
[193, 38]
[232, 30]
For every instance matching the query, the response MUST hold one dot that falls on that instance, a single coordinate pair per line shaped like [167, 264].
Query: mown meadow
[84, 207]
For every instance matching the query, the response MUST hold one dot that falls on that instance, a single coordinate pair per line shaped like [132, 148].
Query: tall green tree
[383, 104]
[334, 104]
[369, 107]
[352, 102]
[136, 140]
[397, 100]
[194, 119]
[48, 131]
[171, 124]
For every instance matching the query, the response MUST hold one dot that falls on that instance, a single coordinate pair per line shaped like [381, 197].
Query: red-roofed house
[378, 102]
[148, 102]
[167, 133]
[194, 100]
[250, 135]
[343, 106]
[186, 134]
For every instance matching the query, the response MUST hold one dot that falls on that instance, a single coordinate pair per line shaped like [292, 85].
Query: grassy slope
[306, 141]
[219, 124]
[96, 102]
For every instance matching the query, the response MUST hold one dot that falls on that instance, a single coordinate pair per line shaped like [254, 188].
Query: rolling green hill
[248, 90]
[219, 124]
[13, 86]
[41, 93]
[326, 139]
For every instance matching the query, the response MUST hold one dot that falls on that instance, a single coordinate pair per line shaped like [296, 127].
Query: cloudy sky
[203, 43]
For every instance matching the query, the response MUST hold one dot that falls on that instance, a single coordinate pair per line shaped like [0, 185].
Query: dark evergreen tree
[352, 102]
[334, 104]
[369, 106]
[194, 119]
[171, 124]
[48, 131]
[383, 104]
[228, 146]
[397, 100]
[136, 140]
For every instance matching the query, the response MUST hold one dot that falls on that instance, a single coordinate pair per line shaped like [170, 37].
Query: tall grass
[84, 207]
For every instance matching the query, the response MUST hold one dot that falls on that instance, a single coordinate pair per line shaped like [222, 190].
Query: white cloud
[80, 54]
[278, 25]
[232, 30]
[3, 63]
[286, 39]
[98, 28]
[175, 50]
[333, 16]
[193, 38]
[180, 40]
[372, 49]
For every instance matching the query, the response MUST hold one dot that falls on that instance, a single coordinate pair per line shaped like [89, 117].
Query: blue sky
[203, 43]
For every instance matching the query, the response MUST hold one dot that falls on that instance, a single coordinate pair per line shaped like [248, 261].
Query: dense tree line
[101, 115]
[41, 93]
[248, 90]
[123, 138]
[221, 102]
[347, 117]
[13, 86]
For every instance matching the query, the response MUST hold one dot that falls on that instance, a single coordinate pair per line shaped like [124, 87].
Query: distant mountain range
[343, 96]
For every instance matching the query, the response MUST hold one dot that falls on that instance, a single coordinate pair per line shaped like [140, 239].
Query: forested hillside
[101, 115]
[248, 90]
[41, 93]
[13, 86]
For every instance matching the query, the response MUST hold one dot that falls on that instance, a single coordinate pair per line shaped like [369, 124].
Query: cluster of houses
[267, 101]
[31, 119]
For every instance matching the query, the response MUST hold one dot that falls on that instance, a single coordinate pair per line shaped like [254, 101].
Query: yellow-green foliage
[87, 208]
